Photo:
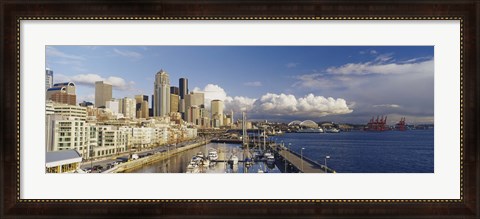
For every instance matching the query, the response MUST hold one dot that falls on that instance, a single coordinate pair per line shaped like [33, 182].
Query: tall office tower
[103, 93]
[48, 78]
[217, 113]
[62, 93]
[161, 94]
[195, 99]
[174, 99]
[183, 84]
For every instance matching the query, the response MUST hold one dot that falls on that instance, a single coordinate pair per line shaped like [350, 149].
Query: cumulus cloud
[270, 104]
[128, 54]
[308, 106]
[215, 92]
[90, 79]
[253, 84]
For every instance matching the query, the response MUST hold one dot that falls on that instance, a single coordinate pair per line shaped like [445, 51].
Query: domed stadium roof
[309, 124]
[306, 123]
[295, 122]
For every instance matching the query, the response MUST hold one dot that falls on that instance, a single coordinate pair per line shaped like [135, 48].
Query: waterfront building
[217, 113]
[76, 112]
[49, 114]
[103, 93]
[66, 161]
[110, 142]
[48, 78]
[174, 100]
[69, 133]
[161, 94]
[140, 137]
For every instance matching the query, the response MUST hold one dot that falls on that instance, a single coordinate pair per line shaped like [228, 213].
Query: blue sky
[322, 83]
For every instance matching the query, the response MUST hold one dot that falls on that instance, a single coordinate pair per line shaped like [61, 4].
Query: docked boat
[310, 130]
[270, 159]
[200, 154]
[212, 155]
[332, 130]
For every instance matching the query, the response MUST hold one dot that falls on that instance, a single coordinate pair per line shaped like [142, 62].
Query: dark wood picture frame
[466, 11]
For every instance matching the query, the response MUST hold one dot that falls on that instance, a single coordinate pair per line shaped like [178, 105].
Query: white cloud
[54, 52]
[253, 84]
[387, 105]
[369, 68]
[128, 54]
[90, 79]
[270, 104]
[309, 106]
[215, 92]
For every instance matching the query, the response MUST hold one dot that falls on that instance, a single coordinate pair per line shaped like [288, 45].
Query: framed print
[261, 109]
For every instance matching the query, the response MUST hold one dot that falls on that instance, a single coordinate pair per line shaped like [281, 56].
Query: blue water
[367, 152]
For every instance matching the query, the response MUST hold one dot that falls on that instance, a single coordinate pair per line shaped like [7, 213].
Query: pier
[295, 161]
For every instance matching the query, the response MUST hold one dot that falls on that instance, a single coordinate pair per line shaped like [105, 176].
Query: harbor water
[179, 162]
[409, 151]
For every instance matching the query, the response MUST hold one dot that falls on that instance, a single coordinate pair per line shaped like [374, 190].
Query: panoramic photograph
[239, 109]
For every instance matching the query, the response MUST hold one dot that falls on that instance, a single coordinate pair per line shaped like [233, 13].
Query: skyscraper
[103, 93]
[48, 78]
[195, 99]
[161, 94]
[183, 84]
[217, 113]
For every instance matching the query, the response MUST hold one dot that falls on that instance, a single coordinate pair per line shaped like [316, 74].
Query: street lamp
[327, 157]
[301, 157]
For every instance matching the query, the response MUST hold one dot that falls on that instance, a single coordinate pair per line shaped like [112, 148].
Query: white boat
[266, 154]
[199, 154]
[192, 169]
[270, 159]
[212, 155]
[332, 130]
[310, 130]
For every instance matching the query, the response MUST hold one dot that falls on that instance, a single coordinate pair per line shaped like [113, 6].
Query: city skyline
[281, 83]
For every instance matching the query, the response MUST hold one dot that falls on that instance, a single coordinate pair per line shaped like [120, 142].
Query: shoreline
[135, 164]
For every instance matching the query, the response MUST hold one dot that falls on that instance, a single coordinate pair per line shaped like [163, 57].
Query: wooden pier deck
[294, 159]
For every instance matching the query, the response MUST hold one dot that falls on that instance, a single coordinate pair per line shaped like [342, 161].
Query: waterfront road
[308, 167]
[104, 161]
